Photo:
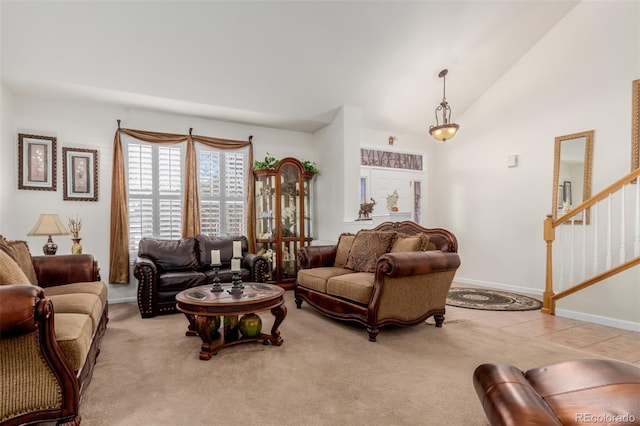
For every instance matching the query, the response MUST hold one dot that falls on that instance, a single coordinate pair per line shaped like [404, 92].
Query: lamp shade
[49, 224]
[444, 131]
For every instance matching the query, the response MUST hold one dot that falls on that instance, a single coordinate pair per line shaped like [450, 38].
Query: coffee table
[200, 305]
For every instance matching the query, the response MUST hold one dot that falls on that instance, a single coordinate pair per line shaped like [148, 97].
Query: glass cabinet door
[289, 263]
[265, 214]
[308, 208]
[289, 194]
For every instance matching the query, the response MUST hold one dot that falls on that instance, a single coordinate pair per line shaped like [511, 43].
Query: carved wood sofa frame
[427, 269]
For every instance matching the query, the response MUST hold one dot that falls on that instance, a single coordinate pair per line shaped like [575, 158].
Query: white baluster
[636, 245]
[561, 262]
[608, 257]
[583, 267]
[596, 239]
[572, 261]
[623, 237]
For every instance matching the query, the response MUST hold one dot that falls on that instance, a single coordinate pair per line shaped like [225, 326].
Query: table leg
[202, 325]
[279, 312]
[191, 329]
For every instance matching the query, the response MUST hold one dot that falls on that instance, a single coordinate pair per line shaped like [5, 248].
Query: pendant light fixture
[446, 130]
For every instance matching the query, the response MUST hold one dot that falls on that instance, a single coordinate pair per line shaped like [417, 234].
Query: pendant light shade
[447, 129]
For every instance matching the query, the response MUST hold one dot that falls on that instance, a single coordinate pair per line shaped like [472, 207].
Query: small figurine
[366, 209]
[392, 201]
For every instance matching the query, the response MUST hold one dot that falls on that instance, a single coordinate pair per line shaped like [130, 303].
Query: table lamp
[49, 224]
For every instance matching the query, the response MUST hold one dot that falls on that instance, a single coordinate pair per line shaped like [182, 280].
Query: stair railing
[597, 239]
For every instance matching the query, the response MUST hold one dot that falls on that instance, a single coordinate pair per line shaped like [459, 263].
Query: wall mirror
[572, 173]
[635, 125]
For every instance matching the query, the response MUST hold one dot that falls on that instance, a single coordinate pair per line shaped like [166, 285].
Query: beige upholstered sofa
[397, 273]
[53, 313]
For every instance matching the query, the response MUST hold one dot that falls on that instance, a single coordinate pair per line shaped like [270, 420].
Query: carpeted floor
[325, 373]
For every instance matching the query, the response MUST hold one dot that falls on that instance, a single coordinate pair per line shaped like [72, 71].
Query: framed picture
[37, 162]
[80, 174]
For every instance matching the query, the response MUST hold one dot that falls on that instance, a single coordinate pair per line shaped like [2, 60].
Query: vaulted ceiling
[288, 65]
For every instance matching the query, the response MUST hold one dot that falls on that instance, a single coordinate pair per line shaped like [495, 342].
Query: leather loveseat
[574, 392]
[397, 273]
[166, 267]
[53, 314]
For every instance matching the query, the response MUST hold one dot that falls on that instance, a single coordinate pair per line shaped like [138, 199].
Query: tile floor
[611, 342]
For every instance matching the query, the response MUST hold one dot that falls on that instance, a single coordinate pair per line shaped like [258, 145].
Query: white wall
[577, 78]
[93, 125]
[7, 151]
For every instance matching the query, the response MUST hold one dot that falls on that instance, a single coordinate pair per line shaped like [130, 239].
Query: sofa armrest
[507, 398]
[18, 309]
[316, 256]
[146, 271]
[257, 264]
[410, 286]
[65, 269]
[402, 264]
[144, 265]
[28, 342]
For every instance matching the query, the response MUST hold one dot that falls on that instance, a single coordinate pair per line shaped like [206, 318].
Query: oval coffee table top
[256, 296]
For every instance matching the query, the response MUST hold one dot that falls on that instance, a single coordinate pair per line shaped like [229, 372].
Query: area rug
[491, 300]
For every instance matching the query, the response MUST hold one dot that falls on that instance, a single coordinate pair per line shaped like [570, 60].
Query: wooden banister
[550, 224]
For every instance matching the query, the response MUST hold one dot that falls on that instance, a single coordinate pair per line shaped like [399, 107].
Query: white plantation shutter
[222, 212]
[140, 181]
[155, 189]
[169, 193]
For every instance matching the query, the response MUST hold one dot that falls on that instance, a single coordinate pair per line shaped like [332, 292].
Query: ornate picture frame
[80, 174]
[37, 162]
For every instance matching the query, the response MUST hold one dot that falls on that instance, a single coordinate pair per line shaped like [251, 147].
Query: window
[154, 191]
[155, 176]
[222, 206]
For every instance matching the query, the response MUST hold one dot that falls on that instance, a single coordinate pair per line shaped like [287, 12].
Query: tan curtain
[119, 252]
[119, 247]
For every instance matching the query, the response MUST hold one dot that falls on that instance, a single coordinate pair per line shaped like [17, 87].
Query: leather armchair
[572, 392]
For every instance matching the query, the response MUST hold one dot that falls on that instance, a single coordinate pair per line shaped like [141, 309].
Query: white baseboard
[581, 316]
[597, 319]
[499, 286]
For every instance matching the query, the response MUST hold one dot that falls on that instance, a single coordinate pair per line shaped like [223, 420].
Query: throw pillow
[367, 247]
[5, 247]
[10, 272]
[345, 241]
[24, 261]
[406, 243]
[427, 245]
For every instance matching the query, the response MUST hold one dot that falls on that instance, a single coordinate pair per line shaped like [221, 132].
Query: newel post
[548, 304]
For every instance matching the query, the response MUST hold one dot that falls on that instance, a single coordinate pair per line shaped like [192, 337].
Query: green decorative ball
[214, 326]
[250, 325]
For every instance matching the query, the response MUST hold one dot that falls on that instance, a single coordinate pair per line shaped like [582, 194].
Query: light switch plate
[512, 160]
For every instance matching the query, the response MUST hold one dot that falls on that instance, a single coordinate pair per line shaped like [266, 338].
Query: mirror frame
[588, 155]
[635, 125]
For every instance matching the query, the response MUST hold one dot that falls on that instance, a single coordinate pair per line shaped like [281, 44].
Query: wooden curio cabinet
[283, 218]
